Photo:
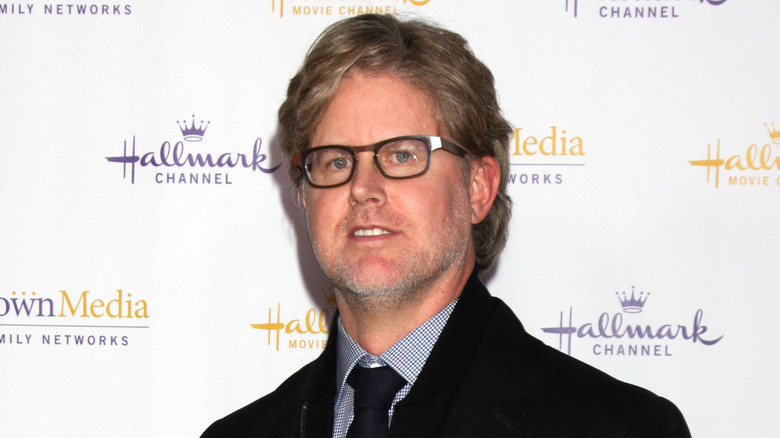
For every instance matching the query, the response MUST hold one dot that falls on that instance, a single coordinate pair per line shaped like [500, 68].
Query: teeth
[371, 232]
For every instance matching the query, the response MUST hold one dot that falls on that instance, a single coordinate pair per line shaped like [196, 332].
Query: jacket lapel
[478, 349]
[317, 410]
[427, 405]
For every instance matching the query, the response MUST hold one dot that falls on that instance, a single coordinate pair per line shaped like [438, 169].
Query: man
[401, 228]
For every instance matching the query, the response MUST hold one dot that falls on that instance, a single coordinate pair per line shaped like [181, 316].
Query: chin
[369, 284]
[374, 295]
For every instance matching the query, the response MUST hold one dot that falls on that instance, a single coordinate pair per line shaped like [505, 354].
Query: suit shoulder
[569, 388]
[282, 404]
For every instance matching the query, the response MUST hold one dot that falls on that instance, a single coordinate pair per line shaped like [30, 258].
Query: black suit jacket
[486, 377]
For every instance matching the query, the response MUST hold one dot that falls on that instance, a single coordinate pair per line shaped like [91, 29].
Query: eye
[340, 163]
[328, 160]
[403, 153]
[402, 156]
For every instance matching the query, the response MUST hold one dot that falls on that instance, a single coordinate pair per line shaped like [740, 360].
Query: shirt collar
[407, 356]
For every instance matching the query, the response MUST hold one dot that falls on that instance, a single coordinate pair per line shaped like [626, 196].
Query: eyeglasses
[396, 158]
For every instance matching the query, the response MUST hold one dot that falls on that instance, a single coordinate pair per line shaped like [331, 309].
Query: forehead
[368, 108]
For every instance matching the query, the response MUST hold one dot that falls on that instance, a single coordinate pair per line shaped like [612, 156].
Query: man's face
[375, 236]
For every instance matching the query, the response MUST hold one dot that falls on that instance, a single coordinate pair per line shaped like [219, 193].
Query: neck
[377, 323]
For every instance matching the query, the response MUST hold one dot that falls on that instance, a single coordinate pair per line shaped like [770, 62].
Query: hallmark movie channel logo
[345, 8]
[649, 9]
[71, 319]
[543, 157]
[306, 330]
[185, 162]
[749, 166]
[627, 333]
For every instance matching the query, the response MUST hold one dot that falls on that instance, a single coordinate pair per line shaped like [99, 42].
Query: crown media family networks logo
[309, 330]
[754, 165]
[341, 8]
[85, 319]
[638, 9]
[73, 9]
[543, 157]
[174, 163]
[627, 333]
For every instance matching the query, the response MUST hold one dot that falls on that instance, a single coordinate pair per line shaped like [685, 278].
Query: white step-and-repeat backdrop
[154, 274]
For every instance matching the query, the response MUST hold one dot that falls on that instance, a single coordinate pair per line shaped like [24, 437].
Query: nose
[368, 184]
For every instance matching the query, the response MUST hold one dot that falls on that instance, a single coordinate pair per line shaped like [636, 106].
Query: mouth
[365, 232]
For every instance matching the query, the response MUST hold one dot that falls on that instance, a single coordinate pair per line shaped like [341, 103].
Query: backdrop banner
[155, 274]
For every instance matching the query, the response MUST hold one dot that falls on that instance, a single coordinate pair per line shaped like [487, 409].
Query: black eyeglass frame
[433, 143]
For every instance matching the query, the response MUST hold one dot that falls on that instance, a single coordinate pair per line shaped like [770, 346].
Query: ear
[301, 197]
[485, 180]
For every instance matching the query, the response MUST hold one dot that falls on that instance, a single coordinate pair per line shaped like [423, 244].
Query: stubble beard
[415, 272]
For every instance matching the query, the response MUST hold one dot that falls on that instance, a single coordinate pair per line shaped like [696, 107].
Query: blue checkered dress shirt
[406, 357]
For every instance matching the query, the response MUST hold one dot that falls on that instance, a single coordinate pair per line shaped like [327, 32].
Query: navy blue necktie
[375, 389]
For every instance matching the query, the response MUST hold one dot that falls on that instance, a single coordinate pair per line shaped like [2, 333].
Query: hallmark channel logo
[176, 164]
[346, 8]
[650, 9]
[542, 157]
[627, 333]
[752, 166]
[71, 319]
[309, 331]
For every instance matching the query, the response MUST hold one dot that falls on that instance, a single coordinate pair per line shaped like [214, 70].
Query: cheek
[434, 207]
[322, 213]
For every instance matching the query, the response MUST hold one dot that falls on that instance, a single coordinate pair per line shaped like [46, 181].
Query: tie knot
[374, 387]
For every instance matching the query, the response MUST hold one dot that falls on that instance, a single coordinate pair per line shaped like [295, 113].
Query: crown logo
[634, 304]
[330, 297]
[774, 134]
[192, 133]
